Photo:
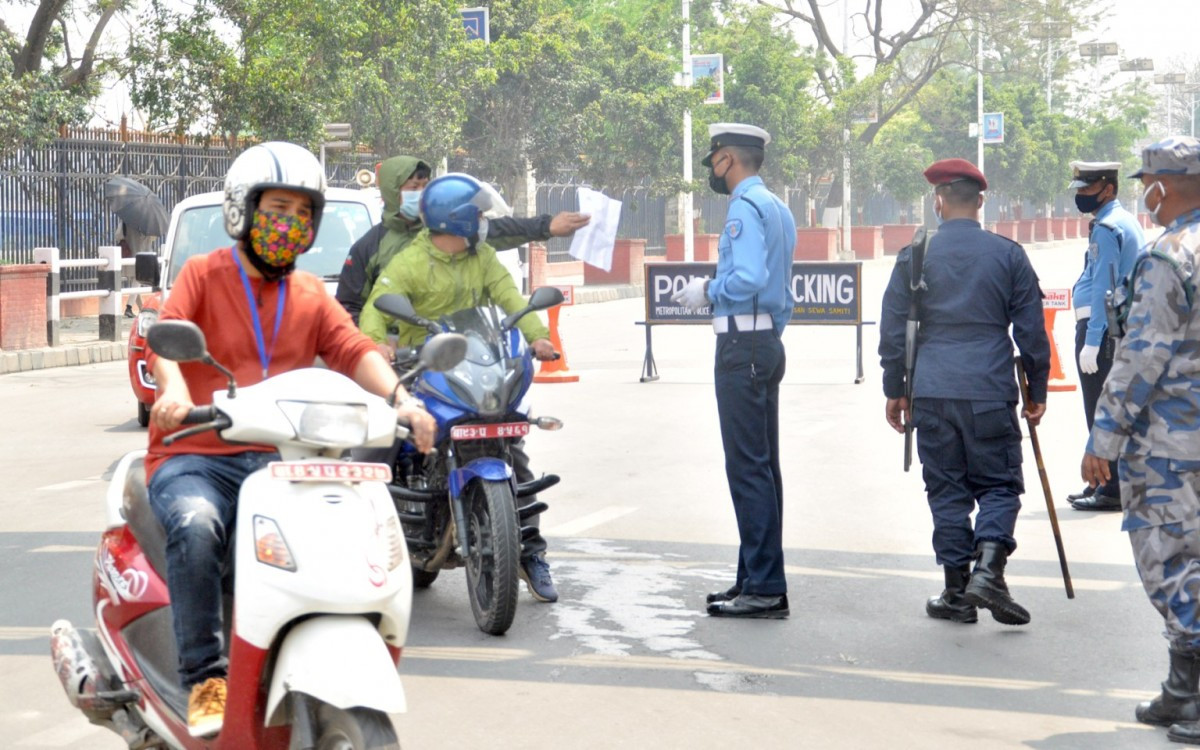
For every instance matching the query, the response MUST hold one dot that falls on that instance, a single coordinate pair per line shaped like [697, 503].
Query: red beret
[952, 170]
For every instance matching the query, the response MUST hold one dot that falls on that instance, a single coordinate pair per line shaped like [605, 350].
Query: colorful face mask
[278, 239]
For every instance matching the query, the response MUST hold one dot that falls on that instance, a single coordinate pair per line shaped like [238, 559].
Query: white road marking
[590, 521]
[1052, 582]
[63, 735]
[63, 548]
[71, 485]
[15, 633]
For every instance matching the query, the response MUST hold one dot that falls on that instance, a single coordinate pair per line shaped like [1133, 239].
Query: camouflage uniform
[1148, 418]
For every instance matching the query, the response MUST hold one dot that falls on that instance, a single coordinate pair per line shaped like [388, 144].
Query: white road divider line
[1052, 581]
[64, 548]
[66, 733]
[71, 485]
[16, 633]
[590, 521]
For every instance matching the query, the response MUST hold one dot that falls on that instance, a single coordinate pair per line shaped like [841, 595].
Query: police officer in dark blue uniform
[964, 391]
[751, 303]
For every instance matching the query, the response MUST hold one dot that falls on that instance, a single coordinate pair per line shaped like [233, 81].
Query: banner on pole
[710, 66]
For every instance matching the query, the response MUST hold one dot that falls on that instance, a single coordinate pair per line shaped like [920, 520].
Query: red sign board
[1056, 299]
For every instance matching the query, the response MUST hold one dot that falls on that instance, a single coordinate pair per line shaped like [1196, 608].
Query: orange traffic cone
[1058, 379]
[555, 370]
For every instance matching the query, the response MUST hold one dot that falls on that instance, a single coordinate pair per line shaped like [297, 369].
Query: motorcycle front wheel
[354, 729]
[495, 551]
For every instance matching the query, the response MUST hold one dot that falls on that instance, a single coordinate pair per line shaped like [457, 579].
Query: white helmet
[274, 164]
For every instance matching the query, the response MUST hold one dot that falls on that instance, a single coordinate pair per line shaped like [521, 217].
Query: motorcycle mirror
[545, 297]
[443, 352]
[178, 340]
[400, 307]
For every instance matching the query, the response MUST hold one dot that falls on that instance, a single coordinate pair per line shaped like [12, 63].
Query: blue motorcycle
[460, 505]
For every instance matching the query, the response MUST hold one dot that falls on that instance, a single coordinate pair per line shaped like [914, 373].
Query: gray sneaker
[535, 572]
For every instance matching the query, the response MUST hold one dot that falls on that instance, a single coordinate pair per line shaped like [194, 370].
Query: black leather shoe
[727, 595]
[1097, 501]
[752, 606]
[1087, 491]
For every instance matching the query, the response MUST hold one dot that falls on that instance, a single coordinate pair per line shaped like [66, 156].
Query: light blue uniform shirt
[1116, 242]
[754, 255]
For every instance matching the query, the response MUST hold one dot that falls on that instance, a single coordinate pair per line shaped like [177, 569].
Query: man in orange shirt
[259, 318]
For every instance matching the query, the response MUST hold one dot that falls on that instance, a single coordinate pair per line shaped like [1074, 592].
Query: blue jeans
[195, 499]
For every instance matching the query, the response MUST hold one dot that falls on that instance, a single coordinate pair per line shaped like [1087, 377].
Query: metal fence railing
[53, 196]
[643, 216]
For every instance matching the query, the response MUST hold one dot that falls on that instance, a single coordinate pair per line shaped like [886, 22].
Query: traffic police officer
[1114, 242]
[968, 439]
[1146, 420]
[751, 305]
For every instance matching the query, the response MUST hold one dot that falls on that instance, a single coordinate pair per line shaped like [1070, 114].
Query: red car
[198, 227]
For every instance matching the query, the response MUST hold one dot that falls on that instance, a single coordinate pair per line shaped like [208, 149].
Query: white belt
[1082, 313]
[761, 322]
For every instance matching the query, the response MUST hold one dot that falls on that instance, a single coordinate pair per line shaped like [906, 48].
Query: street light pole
[846, 251]
[688, 230]
[979, 93]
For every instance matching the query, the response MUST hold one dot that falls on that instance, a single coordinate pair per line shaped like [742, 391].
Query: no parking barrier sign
[822, 294]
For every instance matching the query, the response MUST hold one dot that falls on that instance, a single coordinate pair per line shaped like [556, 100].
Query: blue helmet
[459, 204]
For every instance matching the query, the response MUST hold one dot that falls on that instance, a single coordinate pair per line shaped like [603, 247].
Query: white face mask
[937, 211]
[1162, 191]
[410, 204]
[483, 229]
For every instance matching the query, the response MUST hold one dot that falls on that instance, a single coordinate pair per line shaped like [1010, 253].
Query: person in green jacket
[446, 268]
[401, 180]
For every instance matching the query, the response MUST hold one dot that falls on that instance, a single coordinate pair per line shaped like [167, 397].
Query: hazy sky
[1163, 30]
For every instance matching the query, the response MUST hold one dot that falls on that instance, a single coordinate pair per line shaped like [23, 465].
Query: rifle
[1037, 454]
[916, 285]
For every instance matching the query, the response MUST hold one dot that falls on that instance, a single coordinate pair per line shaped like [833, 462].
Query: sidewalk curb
[68, 355]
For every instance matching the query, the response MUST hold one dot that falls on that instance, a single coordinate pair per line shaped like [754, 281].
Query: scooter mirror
[178, 340]
[443, 352]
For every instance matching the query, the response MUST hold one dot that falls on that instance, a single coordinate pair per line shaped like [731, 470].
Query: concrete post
[109, 276]
[50, 257]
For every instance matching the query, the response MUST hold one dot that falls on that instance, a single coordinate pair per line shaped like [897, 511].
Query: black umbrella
[137, 206]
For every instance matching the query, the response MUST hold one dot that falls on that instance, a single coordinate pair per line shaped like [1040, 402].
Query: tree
[43, 82]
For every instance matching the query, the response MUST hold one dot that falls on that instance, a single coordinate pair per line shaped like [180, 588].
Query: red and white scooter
[323, 590]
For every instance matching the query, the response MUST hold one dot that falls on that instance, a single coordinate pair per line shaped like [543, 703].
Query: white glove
[1087, 359]
[692, 296]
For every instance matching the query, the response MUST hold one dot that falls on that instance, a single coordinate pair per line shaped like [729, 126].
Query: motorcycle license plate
[489, 431]
[329, 471]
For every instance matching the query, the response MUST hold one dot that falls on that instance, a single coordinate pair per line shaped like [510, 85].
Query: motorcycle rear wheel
[494, 537]
[354, 729]
[143, 414]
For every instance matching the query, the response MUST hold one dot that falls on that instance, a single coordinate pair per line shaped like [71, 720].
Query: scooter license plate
[329, 471]
[489, 431]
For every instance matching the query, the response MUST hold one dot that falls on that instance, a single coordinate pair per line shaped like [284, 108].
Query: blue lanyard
[264, 356]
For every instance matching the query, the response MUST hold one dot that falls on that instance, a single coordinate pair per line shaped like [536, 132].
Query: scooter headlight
[269, 545]
[327, 424]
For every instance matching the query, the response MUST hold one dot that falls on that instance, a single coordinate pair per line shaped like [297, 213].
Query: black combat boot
[987, 588]
[1180, 698]
[951, 605]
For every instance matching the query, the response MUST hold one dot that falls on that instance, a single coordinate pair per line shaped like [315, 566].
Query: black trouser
[530, 545]
[749, 367]
[1091, 386]
[970, 454]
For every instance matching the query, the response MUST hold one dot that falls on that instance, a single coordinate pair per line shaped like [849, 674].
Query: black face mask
[1088, 203]
[717, 184]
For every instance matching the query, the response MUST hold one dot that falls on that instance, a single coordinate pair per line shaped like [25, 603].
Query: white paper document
[593, 244]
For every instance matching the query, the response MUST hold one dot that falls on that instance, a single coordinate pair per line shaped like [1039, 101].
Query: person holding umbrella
[143, 220]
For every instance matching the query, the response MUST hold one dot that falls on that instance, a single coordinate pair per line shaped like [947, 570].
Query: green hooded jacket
[393, 173]
[439, 283]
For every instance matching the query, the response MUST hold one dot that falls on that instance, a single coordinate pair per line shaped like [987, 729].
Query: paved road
[640, 529]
